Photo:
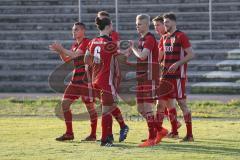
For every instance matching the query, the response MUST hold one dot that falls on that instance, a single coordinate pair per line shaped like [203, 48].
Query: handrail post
[79, 10]
[116, 14]
[210, 19]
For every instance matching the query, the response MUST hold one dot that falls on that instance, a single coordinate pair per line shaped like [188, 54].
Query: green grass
[47, 107]
[33, 138]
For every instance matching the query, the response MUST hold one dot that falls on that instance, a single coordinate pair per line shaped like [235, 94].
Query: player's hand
[173, 67]
[56, 47]
[131, 44]
[127, 52]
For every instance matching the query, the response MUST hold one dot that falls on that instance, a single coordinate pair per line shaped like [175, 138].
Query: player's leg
[89, 101]
[161, 132]
[106, 126]
[93, 120]
[146, 110]
[181, 99]
[187, 118]
[68, 135]
[123, 127]
[108, 105]
[70, 95]
[172, 118]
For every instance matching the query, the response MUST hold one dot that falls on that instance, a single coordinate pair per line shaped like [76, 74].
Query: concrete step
[164, 7]
[123, 17]
[25, 76]
[30, 44]
[27, 55]
[26, 87]
[69, 9]
[229, 65]
[125, 34]
[66, 35]
[38, 26]
[214, 76]
[215, 44]
[216, 87]
[102, 2]
[234, 54]
[90, 17]
[25, 65]
[150, 7]
[43, 44]
[37, 2]
[226, 34]
[35, 35]
[223, 1]
[182, 25]
[46, 9]
[203, 65]
[135, 2]
[226, 6]
[210, 54]
[225, 25]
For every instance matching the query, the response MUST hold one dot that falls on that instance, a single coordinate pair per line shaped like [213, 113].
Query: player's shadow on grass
[202, 149]
[222, 140]
[125, 145]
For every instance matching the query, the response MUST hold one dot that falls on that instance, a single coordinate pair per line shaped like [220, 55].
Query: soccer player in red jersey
[117, 79]
[170, 112]
[176, 51]
[77, 85]
[100, 55]
[147, 76]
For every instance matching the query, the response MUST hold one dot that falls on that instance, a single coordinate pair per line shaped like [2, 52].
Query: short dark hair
[80, 24]
[103, 13]
[158, 19]
[170, 16]
[102, 23]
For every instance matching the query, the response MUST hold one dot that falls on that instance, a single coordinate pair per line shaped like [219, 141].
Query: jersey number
[97, 51]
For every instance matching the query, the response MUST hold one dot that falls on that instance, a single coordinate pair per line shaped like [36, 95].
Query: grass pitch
[34, 138]
[29, 128]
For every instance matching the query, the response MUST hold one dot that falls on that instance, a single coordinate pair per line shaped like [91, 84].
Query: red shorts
[146, 91]
[179, 89]
[74, 91]
[107, 94]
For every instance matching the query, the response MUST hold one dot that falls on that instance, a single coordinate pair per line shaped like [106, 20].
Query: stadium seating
[27, 27]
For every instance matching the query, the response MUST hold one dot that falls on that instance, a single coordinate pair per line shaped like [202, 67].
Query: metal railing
[116, 16]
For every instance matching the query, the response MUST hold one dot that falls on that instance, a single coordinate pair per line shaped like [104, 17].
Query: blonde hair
[144, 17]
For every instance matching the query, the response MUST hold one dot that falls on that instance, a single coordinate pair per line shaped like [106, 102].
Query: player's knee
[65, 105]
[182, 103]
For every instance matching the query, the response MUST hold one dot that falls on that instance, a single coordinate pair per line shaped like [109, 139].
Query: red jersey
[79, 66]
[148, 69]
[103, 61]
[173, 47]
[117, 76]
[115, 36]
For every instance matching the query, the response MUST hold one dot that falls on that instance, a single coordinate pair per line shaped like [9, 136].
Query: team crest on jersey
[111, 47]
[173, 40]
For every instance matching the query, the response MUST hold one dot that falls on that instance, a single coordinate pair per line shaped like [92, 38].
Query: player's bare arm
[88, 58]
[56, 47]
[61, 50]
[142, 55]
[186, 59]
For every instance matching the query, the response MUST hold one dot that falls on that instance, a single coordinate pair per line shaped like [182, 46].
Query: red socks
[172, 113]
[118, 116]
[106, 125]
[93, 118]
[159, 120]
[188, 121]
[151, 125]
[68, 121]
